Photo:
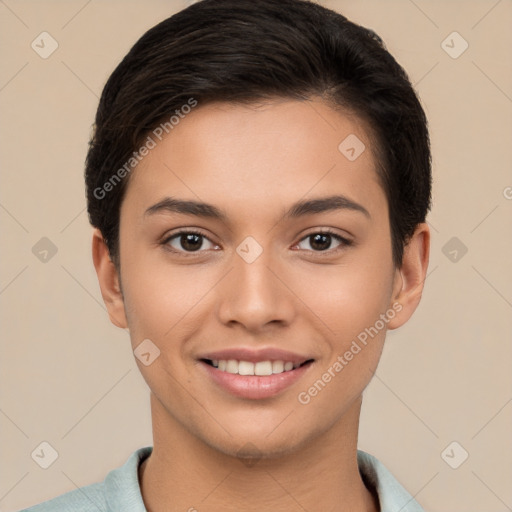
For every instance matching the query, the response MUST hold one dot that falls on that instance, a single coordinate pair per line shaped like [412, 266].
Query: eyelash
[344, 241]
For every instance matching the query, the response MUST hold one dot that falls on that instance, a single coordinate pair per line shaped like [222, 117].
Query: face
[264, 278]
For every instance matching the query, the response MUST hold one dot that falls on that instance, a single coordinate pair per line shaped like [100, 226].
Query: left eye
[322, 240]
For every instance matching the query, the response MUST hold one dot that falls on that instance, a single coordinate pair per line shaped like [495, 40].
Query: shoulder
[90, 498]
[119, 491]
[392, 495]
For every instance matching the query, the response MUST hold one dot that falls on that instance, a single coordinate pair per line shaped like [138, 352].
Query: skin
[212, 450]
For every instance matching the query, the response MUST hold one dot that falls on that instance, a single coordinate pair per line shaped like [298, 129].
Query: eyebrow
[299, 209]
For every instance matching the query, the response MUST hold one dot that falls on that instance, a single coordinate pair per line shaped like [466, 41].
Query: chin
[250, 452]
[252, 448]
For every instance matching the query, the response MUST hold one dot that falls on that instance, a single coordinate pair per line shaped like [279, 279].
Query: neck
[184, 473]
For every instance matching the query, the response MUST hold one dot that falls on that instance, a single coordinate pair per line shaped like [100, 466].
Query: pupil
[322, 239]
[187, 241]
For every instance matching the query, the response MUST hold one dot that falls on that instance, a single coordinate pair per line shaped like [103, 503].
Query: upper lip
[253, 356]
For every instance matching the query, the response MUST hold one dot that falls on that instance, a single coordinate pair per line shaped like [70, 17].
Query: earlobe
[108, 279]
[410, 278]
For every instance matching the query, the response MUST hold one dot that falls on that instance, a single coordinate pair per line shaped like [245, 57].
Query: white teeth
[245, 368]
[263, 368]
[232, 366]
[277, 367]
[260, 368]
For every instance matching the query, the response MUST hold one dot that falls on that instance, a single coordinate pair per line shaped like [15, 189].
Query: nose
[256, 294]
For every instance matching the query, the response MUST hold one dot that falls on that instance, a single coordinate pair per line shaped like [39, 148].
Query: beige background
[68, 376]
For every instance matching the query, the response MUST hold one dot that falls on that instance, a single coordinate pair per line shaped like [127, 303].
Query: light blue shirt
[120, 491]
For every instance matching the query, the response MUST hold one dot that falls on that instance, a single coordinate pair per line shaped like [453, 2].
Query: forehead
[259, 156]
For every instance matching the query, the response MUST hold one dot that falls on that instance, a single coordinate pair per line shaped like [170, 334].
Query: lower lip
[255, 387]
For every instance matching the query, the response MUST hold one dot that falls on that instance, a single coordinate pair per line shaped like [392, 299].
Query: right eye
[186, 241]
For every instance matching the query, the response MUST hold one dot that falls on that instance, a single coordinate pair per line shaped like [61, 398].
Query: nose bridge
[253, 295]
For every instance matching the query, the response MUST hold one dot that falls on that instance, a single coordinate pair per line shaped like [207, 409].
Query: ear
[410, 277]
[108, 279]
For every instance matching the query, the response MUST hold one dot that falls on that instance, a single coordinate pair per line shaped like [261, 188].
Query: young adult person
[258, 179]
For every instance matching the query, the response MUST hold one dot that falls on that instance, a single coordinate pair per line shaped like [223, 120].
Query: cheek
[352, 303]
[347, 297]
[353, 345]
[160, 298]
[163, 304]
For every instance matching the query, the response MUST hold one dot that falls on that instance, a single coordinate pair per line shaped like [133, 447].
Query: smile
[254, 380]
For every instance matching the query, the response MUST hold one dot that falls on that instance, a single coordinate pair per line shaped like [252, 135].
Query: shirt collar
[122, 488]
[392, 496]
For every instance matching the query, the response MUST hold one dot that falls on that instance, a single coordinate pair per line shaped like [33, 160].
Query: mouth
[254, 376]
